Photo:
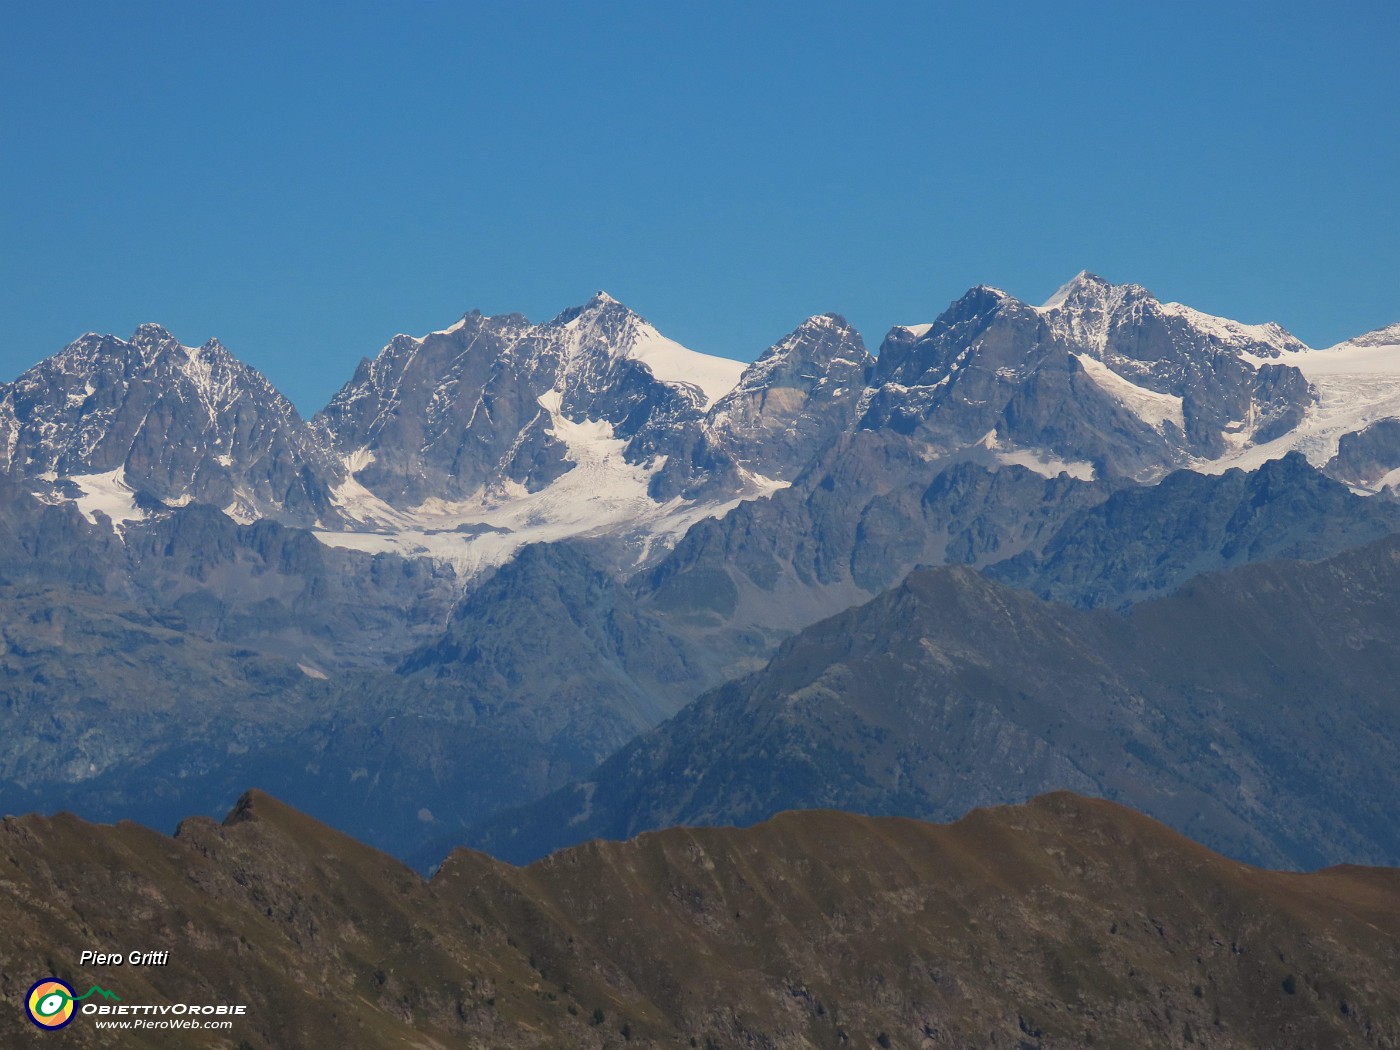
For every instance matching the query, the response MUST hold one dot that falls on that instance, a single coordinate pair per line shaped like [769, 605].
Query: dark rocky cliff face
[432, 417]
[180, 422]
[1368, 455]
[792, 402]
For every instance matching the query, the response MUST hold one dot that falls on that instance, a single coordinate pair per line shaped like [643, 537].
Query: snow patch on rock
[1046, 464]
[1153, 408]
[107, 494]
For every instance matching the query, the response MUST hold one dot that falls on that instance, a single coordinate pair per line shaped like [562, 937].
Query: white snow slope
[603, 495]
[1356, 382]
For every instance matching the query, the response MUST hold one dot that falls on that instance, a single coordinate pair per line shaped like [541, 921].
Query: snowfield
[1356, 382]
[602, 495]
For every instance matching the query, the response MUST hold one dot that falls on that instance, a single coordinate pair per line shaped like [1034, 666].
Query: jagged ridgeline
[1065, 922]
[505, 549]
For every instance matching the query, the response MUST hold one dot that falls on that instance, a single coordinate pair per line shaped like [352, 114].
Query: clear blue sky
[305, 180]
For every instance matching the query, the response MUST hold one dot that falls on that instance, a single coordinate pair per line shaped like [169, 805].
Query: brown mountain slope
[1062, 923]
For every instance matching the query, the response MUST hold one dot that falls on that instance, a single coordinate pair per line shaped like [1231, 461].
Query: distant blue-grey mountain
[1255, 709]
[506, 547]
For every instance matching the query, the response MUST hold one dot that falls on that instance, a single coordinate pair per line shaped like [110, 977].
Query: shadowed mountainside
[1254, 710]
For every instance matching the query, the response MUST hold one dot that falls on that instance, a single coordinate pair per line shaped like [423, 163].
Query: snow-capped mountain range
[469, 442]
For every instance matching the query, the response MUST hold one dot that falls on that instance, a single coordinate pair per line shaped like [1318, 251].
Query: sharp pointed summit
[797, 397]
[1075, 286]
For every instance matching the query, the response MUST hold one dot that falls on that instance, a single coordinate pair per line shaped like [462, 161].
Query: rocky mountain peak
[601, 307]
[176, 422]
[1388, 336]
[1085, 310]
[981, 298]
[601, 324]
[1101, 373]
[595, 339]
[920, 355]
[829, 321]
[805, 354]
[152, 336]
[469, 417]
[1087, 289]
[800, 393]
[1074, 286]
